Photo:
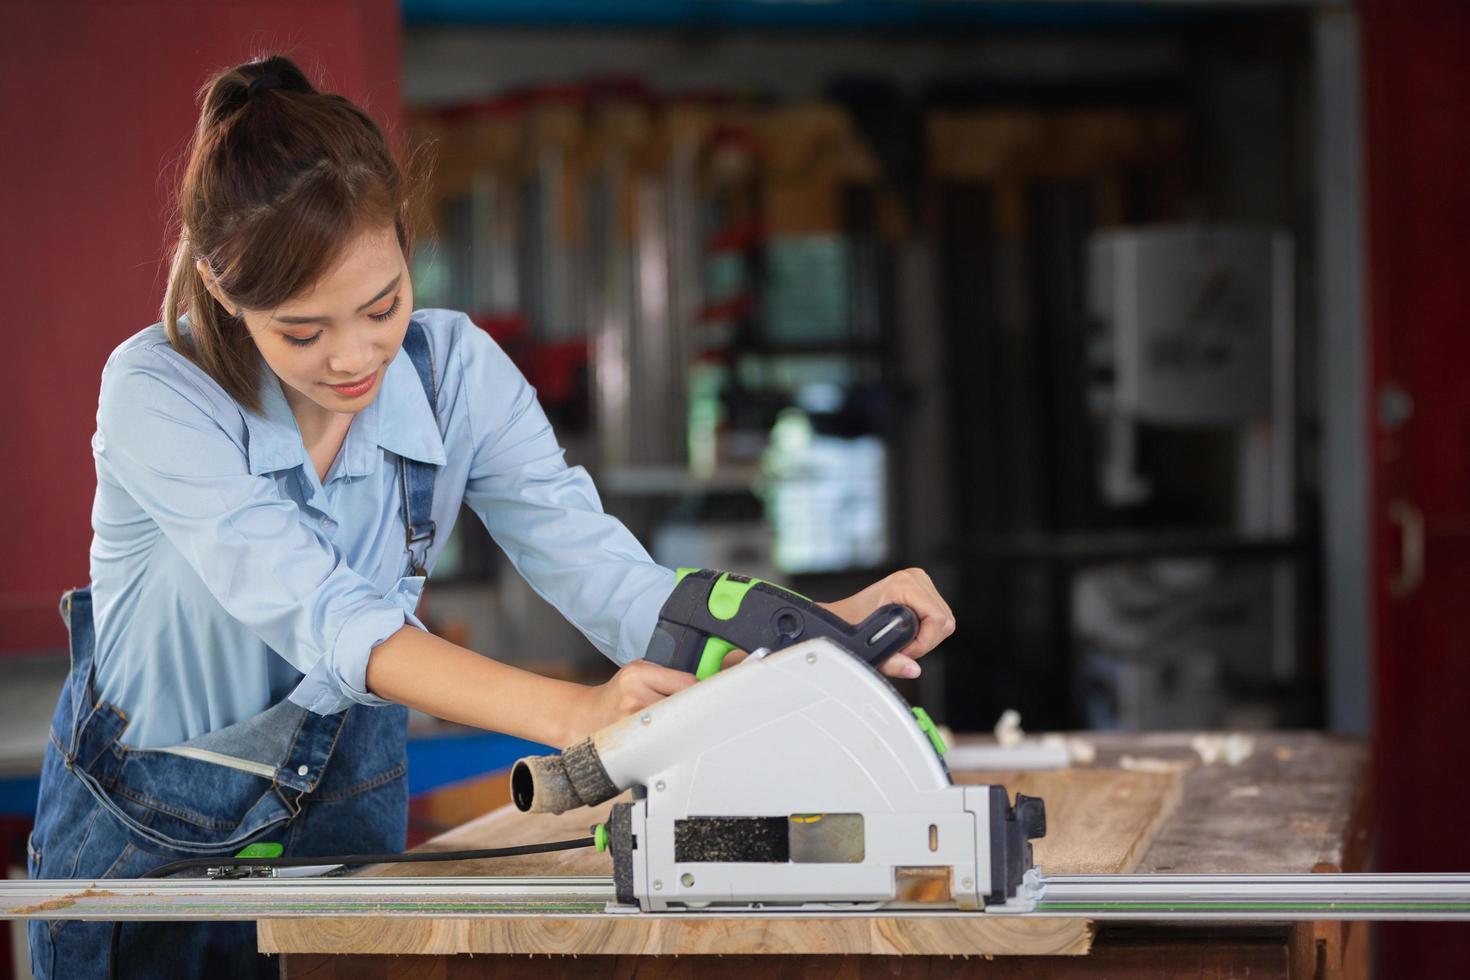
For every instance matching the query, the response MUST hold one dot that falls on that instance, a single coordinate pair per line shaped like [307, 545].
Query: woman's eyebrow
[326, 319]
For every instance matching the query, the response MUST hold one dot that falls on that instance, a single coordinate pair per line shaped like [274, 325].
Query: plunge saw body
[798, 778]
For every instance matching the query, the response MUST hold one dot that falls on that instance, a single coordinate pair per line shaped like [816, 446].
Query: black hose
[401, 857]
[349, 860]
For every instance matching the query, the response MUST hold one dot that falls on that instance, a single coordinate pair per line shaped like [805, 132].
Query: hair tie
[265, 82]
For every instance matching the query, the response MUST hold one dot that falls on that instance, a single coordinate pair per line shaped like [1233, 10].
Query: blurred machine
[1191, 393]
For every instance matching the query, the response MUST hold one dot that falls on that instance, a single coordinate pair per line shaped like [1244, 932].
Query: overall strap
[418, 478]
[81, 681]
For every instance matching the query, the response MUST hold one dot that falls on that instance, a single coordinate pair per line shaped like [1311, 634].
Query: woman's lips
[355, 388]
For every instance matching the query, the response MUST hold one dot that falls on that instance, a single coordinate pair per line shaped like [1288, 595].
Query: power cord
[344, 860]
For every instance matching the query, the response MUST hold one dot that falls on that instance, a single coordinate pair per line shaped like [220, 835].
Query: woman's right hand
[633, 688]
[427, 672]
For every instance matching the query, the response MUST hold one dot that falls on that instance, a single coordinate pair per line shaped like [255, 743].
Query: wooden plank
[633, 935]
[1202, 957]
[1101, 821]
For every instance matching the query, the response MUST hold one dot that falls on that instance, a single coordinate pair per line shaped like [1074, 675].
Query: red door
[1417, 86]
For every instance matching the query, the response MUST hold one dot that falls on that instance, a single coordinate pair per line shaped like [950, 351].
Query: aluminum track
[1151, 897]
[273, 898]
[1253, 897]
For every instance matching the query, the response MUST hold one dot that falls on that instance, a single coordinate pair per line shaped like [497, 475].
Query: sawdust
[48, 906]
[65, 901]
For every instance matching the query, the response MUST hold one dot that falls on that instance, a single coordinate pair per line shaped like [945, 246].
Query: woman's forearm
[423, 671]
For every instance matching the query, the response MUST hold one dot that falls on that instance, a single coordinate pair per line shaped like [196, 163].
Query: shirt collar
[398, 420]
[275, 442]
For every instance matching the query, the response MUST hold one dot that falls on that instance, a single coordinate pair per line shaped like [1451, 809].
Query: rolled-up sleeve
[278, 577]
[547, 515]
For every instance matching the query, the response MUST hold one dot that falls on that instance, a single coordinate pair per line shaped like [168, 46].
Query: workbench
[1147, 803]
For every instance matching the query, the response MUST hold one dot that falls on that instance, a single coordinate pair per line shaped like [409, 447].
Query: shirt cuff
[337, 681]
[638, 623]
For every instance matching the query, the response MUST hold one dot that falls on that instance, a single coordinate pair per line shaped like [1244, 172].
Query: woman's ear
[212, 284]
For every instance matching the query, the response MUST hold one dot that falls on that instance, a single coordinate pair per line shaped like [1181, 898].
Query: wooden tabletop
[1146, 803]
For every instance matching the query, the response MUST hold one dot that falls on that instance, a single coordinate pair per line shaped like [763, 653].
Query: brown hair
[280, 178]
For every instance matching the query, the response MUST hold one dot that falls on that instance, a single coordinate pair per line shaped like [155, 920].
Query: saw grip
[711, 613]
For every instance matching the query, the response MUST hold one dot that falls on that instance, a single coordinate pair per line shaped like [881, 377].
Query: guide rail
[1153, 897]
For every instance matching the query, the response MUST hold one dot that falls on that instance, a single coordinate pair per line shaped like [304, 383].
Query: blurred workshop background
[1135, 324]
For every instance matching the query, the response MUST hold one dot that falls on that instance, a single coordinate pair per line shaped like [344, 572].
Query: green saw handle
[711, 613]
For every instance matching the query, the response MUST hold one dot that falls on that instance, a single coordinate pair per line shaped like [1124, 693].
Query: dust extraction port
[522, 786]
[540, 784]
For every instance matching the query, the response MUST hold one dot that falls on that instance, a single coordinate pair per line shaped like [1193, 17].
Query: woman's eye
[302, 341]
[388, 313]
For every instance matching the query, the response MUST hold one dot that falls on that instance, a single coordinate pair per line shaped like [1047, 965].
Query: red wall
[1417, 98]
[97, 102]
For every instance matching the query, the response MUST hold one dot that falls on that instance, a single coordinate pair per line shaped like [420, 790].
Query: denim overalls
[317, 784]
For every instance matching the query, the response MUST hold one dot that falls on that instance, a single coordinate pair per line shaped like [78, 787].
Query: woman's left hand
[913, 588]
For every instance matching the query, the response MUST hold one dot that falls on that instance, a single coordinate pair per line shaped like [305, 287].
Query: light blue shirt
[226, 575]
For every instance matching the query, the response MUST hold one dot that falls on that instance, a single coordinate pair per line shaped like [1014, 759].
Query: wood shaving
[1232, 749]
[1008, 735]
[1008, 729]
[1080, 751]
[1084, 753]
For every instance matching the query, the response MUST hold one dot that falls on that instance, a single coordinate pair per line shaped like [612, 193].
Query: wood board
[1099, 820]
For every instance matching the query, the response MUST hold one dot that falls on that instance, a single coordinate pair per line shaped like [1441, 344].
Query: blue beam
[441, 760]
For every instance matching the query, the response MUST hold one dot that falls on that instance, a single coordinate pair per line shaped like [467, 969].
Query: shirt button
[302, 770]
[326, 522]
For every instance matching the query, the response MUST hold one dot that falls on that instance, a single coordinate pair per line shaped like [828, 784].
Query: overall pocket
[181, 800]
[178, 807]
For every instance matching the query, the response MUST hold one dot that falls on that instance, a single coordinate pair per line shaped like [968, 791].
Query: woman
[278, 462]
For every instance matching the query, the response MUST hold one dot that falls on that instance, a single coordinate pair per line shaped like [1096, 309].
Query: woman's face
[331, 344]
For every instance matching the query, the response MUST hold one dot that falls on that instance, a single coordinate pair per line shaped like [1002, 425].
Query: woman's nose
[352, 356]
